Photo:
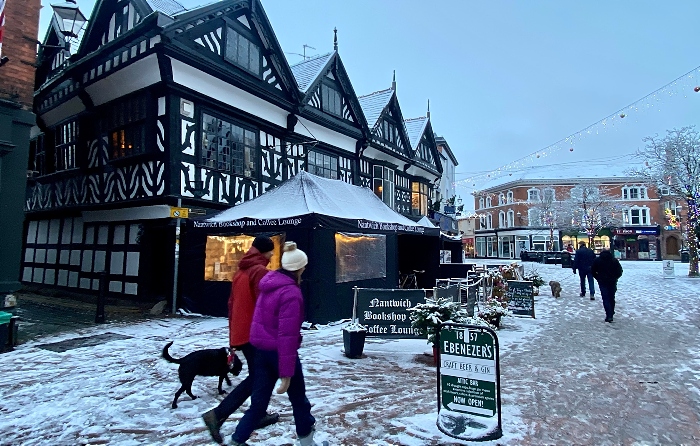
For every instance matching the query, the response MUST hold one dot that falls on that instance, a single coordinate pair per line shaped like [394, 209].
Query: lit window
[419, 198]
[125, 122]
[384, 184]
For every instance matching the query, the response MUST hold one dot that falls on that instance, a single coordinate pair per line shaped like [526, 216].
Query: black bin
[685, 256]
[566, 259]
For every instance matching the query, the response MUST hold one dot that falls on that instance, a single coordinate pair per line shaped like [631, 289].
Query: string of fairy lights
[685, 84]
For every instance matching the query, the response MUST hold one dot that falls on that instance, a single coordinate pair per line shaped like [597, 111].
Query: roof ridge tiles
[374, 92]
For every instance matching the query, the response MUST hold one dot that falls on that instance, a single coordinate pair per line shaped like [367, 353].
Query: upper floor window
[634, 193]
[66, 142]
[425, 155]
[636, 216]
[481, 203]
[482, 222]
[228, 147]
[488, 202]
[511, 218]
[509, 197]
[548, 195]
[389, 132]
[501, 199]
[533, 195]
[501, 219]
[331, 101]
[37, 155]
[671, 207]
[419, 198]
[489, 221]
[384, 184]
[323, 165]
[664, 190]
[242, 52]
[126, 125]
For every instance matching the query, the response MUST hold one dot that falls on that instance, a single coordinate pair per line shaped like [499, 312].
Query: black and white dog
[208, 362]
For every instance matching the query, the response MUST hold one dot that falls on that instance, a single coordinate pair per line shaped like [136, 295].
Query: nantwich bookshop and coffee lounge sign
[385, 311]
[469, 383]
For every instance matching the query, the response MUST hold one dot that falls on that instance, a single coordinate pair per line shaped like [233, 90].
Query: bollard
[101, 296]
[12, 335]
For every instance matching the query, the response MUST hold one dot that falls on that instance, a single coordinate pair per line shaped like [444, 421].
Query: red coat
[244, 294]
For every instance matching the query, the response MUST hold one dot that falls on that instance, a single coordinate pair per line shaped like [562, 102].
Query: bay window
[419, 198]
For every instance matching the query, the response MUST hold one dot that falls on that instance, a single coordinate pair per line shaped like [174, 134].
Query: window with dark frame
[242, 52]
[37, 155]
[125, 123]
[65, 148]
[228, 147]
[424, 153]
[323, 165]
[389, 132]
[383, 184]
[419, 198]
[331, 101]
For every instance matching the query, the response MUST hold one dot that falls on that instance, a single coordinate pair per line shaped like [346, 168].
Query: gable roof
[374, 104]
[441, 141]
[307, 71]
[168, 7]
[415, 127]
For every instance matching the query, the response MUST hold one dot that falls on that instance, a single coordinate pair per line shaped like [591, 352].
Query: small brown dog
[556, 288]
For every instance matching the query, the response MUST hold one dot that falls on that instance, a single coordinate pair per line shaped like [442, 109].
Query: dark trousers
[265, 375]
[591, 283]
[243, 390]
[607, 293]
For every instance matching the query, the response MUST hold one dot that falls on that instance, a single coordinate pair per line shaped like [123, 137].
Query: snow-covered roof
[168, 7]
[569, 172]
[310, 194]
[425, 221]
[306, 72]
[415, 127]
[374, 104]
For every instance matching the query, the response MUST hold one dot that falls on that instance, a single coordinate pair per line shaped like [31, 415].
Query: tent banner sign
[469, 382]
[310, 220]
[385, 311]
[250, 222]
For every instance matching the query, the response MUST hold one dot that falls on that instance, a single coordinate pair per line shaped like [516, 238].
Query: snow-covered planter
[493, 310]
[426, 317]
[354, 340]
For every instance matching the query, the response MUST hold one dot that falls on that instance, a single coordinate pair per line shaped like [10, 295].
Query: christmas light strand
[687, 83]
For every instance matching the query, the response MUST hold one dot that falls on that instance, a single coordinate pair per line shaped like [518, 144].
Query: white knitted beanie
[293, 259]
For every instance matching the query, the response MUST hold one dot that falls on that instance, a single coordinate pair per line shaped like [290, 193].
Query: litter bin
[685, 257]
[566, 259]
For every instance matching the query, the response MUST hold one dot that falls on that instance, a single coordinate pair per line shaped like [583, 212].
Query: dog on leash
[556, 288]
[207, 362]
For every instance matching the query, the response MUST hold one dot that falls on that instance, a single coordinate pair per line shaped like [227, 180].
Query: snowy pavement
[567, 378]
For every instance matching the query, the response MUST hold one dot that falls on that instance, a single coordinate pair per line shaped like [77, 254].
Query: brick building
[18, 38]
[510, 219]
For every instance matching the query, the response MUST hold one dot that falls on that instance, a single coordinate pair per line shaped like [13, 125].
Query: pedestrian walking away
[276, 337]
[607, 270]
[241, 305]
[583, 260]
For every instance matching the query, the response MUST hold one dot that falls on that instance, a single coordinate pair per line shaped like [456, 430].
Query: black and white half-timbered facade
[161, 105]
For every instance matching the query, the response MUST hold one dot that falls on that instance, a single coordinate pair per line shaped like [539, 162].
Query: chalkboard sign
[451, 292]
[385, 312]
[521, 301]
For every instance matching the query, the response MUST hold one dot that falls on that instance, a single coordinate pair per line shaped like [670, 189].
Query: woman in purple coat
[276, 335]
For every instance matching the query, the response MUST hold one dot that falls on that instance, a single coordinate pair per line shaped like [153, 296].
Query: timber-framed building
[162, 106]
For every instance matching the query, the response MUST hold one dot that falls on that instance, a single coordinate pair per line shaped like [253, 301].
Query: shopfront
[468, 245]
[636, 243]
[600, 242]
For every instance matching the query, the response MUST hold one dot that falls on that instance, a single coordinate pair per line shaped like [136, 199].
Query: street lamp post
[679, 209]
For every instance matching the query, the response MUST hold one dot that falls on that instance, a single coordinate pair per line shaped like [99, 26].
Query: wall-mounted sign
[469, 383]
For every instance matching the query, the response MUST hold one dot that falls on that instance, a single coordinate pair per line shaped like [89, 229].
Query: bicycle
[410, 280]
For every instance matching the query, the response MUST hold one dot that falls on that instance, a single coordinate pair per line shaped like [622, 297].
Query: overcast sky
[507, 78]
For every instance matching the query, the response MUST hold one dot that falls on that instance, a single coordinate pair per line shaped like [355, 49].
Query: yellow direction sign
[179, 212]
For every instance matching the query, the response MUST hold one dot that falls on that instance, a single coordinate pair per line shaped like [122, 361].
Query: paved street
[567, 378]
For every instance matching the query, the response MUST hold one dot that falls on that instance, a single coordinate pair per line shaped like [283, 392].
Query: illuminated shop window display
[223, 252]
[359, 257]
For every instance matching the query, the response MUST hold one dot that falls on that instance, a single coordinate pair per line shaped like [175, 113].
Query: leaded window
[390, 133]
[383, 183]
[323, 165]
[419, 198]
[331, 101]
[228, 147]
[242, 51]
[66, 142]
[125, 122]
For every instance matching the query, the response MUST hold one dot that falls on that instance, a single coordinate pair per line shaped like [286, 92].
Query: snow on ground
[567, 378]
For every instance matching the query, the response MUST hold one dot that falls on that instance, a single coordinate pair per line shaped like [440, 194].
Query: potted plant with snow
[354, 340]
[537, 281]
[493, 310]
[427, 317]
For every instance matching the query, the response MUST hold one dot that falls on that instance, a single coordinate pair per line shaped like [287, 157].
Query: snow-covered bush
[426, 317]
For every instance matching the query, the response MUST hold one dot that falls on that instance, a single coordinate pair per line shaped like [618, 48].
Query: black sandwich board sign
[385, 311]
[469, 382]
[450, 292]
[521, 300]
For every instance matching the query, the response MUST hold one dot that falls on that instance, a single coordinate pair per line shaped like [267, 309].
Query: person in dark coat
[582, 262]
[241, 304]
[607, 269]
[276, 337]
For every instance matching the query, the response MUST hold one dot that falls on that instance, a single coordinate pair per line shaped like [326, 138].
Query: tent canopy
[310, 199]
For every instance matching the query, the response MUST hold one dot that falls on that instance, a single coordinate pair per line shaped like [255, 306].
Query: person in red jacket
[241, 305]
[276, 338]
